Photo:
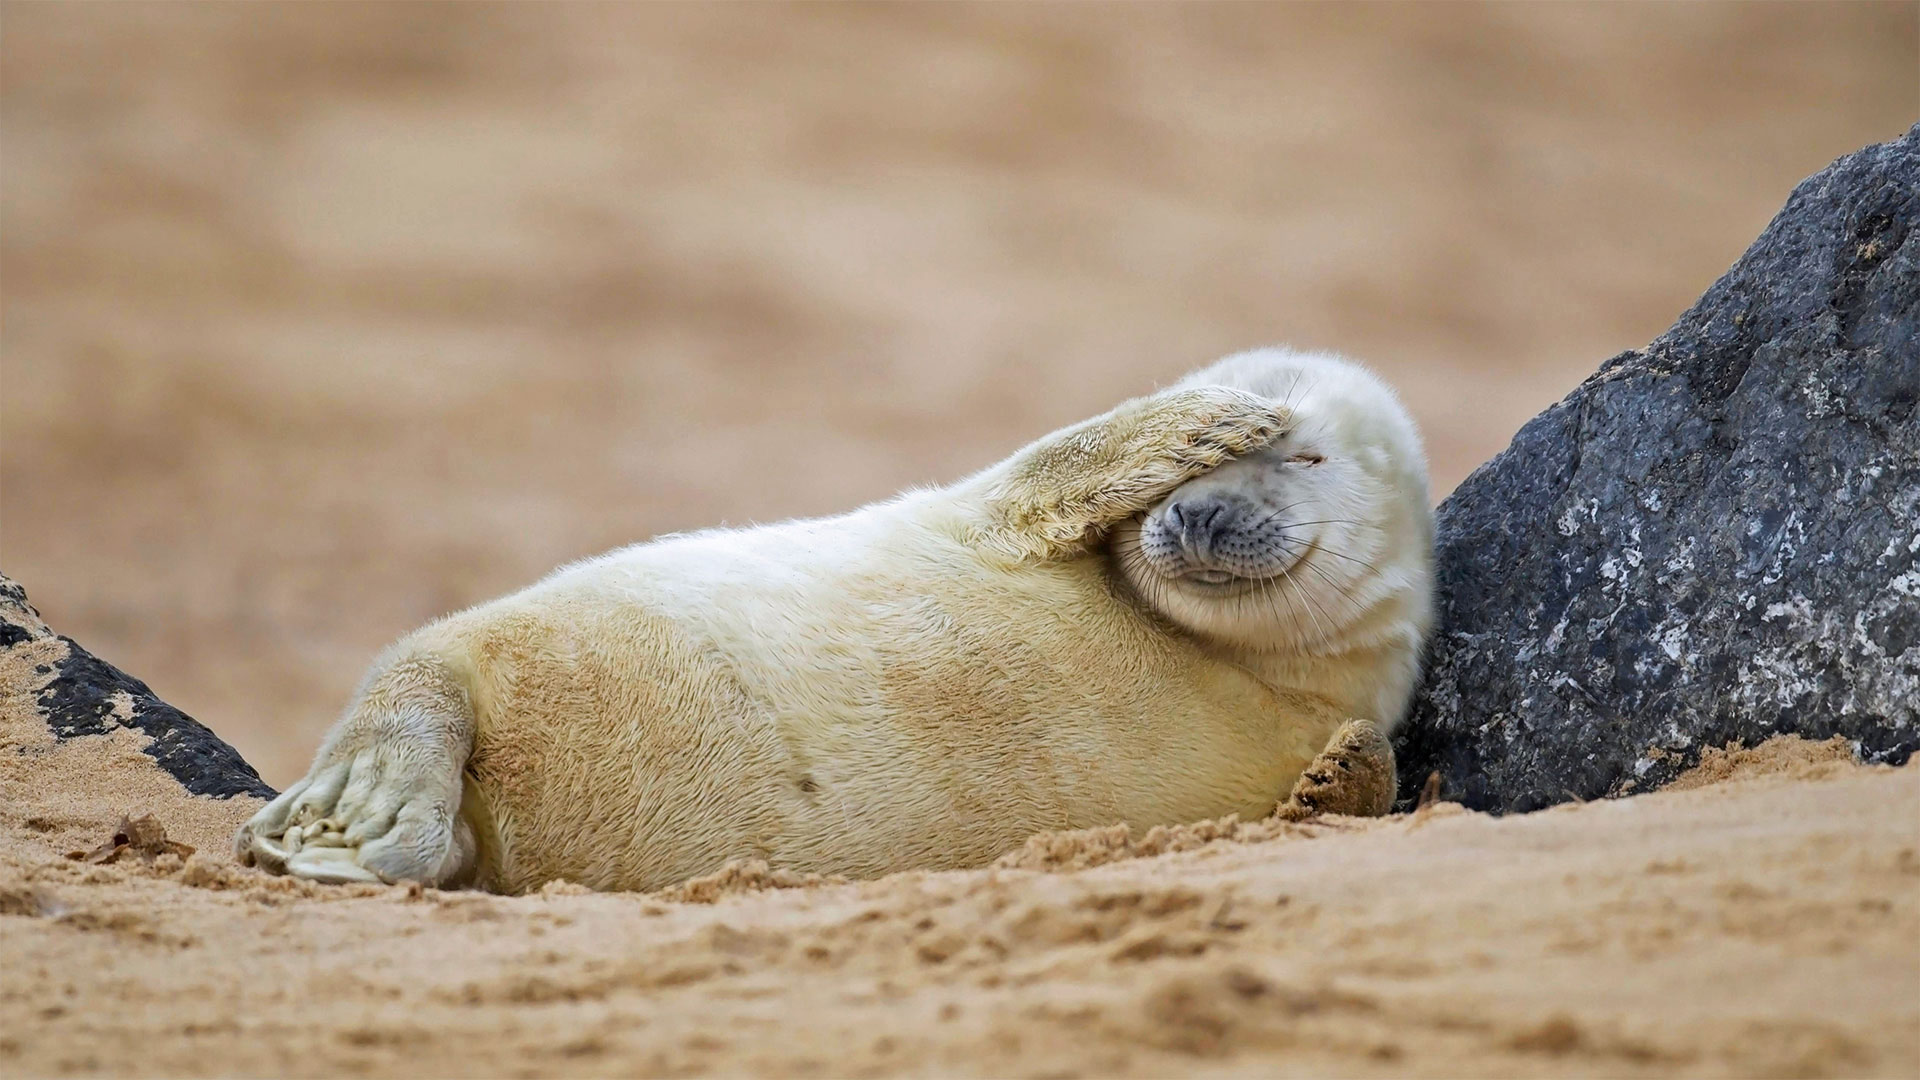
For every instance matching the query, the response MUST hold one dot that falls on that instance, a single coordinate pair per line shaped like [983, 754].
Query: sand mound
[1782, 757]
[1764, 921]
[741, 876]
[1083, 849]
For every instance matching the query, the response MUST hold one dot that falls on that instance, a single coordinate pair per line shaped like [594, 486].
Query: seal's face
[1300, 546]
[1246, 524]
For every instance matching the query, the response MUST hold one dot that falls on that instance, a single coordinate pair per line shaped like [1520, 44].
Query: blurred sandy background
[322, 320]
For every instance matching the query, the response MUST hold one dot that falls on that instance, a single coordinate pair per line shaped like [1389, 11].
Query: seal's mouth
[1211, 578]
[1212, 581]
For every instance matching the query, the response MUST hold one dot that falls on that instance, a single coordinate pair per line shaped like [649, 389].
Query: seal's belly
[652, 720]
[989, 730]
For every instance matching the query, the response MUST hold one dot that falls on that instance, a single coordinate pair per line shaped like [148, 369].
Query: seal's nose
[1199, 523]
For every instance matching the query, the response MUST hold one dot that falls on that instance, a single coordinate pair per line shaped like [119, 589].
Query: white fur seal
[1159, 615]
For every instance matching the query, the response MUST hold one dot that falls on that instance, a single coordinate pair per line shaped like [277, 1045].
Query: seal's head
[1320, 544]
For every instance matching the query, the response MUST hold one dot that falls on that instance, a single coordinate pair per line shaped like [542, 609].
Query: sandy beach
[1760, 919]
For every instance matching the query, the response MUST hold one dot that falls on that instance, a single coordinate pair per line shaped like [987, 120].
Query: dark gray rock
[78, 695]
[1713, 538]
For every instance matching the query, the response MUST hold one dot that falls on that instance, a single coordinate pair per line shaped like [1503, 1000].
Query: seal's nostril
[1206, 518]
[1198, 523]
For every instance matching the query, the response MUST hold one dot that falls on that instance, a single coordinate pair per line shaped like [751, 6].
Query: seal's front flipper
[1354, 775]
[1058, 496]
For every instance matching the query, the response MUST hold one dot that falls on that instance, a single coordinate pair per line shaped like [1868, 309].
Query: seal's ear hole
[1306, 459]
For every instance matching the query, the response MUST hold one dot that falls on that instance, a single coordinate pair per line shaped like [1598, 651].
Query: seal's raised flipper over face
[1058, 496]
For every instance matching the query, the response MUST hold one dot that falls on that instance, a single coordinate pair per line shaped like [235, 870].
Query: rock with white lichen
[1714, 538]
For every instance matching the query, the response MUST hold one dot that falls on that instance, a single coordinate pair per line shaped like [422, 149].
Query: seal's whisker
[1278, 586]
[1290, 400]
[1326, 636]
[1269, 591]
[1275, 514]
[1155, 587]
[1352, 600]
[1349, 558]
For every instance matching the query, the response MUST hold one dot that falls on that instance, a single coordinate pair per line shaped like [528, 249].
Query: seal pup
[1160, 615]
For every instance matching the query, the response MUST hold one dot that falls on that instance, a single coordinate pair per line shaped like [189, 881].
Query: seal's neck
[1367, 669]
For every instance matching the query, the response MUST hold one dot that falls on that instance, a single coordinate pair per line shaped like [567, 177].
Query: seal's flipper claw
[1354, 775]
[330, 866]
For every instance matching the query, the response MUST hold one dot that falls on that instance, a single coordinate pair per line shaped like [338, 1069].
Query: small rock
[78, 694]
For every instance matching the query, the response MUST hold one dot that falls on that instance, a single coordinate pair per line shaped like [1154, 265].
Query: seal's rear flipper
[1354, 775]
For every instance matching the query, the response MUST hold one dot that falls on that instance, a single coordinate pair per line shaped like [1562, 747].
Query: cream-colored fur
[922, 683]
[1333, 515]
